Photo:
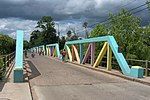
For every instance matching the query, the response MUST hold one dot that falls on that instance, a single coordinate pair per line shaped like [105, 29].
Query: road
[54, 80]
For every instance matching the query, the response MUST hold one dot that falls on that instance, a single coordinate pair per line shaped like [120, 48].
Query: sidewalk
[14, 91]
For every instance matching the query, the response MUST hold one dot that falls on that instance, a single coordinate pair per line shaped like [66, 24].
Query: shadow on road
[1, 85]
[34, 71]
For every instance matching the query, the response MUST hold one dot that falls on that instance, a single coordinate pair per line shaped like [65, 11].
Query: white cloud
[71, 24]
[11, 25]
[68, 13]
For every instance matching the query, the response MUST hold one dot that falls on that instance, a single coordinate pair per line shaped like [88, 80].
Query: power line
[129, 3]
[139, 6]
[129, 11]
[140, 10]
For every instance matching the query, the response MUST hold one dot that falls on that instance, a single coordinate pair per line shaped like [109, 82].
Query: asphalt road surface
[54, 80]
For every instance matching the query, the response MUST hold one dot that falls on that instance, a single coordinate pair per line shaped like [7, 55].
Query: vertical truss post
[92, 53]
[81, 52]
[109, 58]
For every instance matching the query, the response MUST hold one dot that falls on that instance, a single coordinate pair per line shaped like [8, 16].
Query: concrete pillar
[18, 69]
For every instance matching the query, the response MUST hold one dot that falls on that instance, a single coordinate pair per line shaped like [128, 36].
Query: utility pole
[58, 33]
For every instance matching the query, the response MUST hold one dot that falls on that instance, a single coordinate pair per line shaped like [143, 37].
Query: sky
[24, 14]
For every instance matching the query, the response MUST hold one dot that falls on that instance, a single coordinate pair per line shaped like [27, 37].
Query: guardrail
[132, 62]
[6, 61]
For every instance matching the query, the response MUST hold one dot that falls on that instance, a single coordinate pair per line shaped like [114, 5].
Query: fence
[6, 61]
[143, 63]
[132, 62]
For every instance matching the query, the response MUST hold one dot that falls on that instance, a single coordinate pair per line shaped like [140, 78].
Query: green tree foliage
[1, 67]
[26, 44]
[36, 38]
[99, 30]
[62, 42]
[125, 27]
[131, 37]
[46, 33]
[71, 36]
[7, 44]
[145, 47]
[148, 4]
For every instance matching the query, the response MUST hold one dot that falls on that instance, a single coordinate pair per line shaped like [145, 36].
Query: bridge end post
[18, 75]
[137, 72]
[18, 69]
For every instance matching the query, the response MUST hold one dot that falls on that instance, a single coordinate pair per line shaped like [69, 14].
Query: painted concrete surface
[14, 91]
[54, 80]
[18, 70]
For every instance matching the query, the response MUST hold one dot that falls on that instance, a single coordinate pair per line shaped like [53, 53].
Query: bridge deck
[54, 80]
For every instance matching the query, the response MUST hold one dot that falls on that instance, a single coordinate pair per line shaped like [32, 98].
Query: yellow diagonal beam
[101, 55]
[76, 53]
[69, 53]
[72, 53]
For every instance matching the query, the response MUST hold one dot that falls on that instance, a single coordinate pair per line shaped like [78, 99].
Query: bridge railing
[6, 61]
[75, 53]
[145, 64]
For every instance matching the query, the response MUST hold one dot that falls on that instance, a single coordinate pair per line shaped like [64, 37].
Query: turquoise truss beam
[56, 46]
[134, 71]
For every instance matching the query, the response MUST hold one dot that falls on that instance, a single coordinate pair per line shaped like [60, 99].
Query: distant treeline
[8, 44]
[133, 39]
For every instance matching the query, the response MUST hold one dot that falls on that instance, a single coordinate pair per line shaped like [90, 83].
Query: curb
[26, 69]
[114, 74]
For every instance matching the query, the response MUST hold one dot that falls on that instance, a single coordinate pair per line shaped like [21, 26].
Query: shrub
[1, 68]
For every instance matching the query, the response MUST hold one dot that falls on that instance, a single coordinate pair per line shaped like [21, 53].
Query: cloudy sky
[24, 14]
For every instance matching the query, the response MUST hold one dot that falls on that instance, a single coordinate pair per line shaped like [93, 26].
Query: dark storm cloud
[62, 9]
[23, 14]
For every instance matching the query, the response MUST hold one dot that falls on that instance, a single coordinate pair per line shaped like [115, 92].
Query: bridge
[47, 77]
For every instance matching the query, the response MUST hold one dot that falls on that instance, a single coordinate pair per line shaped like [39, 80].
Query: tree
[99, 30]
[46, 34]
[71, 36]
[146, 44]
[46, 24]
[62, 42]
[25, 44]
[126, 29]
[36, 38]
[69, 33]
[148, 4]
[7, 44]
